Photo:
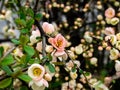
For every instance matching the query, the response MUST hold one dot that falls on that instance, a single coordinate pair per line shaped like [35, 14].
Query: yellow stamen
[37, 71]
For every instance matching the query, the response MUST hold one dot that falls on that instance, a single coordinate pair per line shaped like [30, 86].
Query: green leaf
[24, 39]
[87, 73]
[24, 31]
[7, 60]
[29, 50]
[81, 71]
[38, 16]
[5, 83]
[7, 70]
[17, 42]
[20, 22]
[51, 67]
[25, 78]
[30, 12]
[49, 57]
[1, 51]
[30, 22]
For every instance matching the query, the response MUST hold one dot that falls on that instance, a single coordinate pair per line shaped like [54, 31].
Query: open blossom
[109, 31]
[59, 43]
[36, 72]
[48, 28]
[110, 13]
[114, 54]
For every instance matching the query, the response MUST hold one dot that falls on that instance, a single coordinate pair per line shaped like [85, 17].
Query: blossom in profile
[37, 72]
[117, 66]
[33, 37]
[109, 31]
[59, 43]
[48, 28]
[110, 13]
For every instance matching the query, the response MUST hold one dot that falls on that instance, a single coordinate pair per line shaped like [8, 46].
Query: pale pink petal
[45, 82]
[59, 53]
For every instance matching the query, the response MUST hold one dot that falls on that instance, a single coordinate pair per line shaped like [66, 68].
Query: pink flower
[48, 28]
[109, 31]
[59, 43]
[110, 12]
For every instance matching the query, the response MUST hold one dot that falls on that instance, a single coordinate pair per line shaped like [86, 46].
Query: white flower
[114, 21]
[36, 71]
[113, 39]
[117, 66]
[114, 54]
[35, 87]
[118, 45]
[33, 37]
[78, 49]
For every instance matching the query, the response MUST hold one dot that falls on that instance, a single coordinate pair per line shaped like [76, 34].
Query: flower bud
[48, 77]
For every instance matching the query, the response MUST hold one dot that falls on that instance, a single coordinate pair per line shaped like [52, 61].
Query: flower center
[37, 71]
[59, 43]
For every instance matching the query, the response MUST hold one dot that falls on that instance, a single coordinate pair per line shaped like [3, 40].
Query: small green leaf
[5, 83]
[30, 12]
[87, 73]
[7, 70]
[17, 42]
[24, 31]
[38, 16]
[81, 71]
[1, 51]
[51, 67]
[49, 57]
[25, 78]
[20, 22]
[29, 50]
[30, 22]
[7, 60]
[24, 39]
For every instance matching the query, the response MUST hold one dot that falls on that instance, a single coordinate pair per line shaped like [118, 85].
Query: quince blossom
[110, 13]
[59, 43]
[36, 72]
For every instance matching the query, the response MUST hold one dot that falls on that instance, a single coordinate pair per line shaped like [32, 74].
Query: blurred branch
[2, 4]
